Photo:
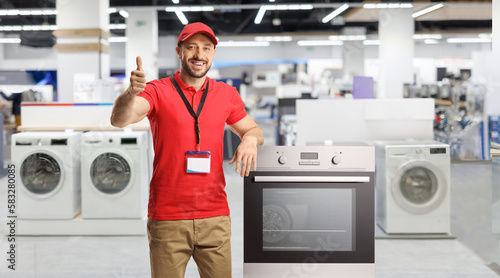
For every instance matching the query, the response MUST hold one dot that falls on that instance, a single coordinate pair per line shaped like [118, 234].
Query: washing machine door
[41, 174]
[110, 173]
[419, 187]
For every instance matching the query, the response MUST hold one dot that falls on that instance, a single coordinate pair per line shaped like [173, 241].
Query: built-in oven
[309, 212]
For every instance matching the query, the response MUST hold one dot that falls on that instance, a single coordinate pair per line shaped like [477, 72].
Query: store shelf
[443, 102]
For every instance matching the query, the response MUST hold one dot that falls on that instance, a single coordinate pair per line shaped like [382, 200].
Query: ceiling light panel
[264, 8]
[10, 40]
[335, 13]
[388, 6]
[371, 42]
[427, 36]
[319, 43]
[182, 18]
[123, 13]
[27, 12]
[347, 38]
[16, 28]
[243, 44]
[427, 10]
[468, 40]
[260, 15]
[431, 41]
[118, 39]
[273, 38]
[190, 9]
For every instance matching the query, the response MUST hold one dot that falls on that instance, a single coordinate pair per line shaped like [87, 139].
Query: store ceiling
[235, 17]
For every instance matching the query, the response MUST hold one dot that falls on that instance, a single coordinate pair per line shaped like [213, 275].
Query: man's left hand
[245, 154]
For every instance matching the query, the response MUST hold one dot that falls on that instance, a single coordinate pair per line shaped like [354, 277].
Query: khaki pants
[172, 243]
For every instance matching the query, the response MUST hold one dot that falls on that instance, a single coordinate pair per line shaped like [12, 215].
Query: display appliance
[115, 174]
[413, 187]
[48, 164]
[309, 212]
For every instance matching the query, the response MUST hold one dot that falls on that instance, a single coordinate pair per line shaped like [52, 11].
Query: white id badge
[198, 162]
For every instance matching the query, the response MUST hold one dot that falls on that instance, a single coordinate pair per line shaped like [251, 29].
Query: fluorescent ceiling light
[39, 27]
[175, 1]
[124, 13]
[485, 35]
[260, 15]
[371, 42]
[335, 13]
[347, 38]
[431, 41]
[10, 40]
[427, 36]
[27, 12]
[293, 7]
[118, 39]
[243, 43]
[388, 6]
[190, 9]
[182, 18]
[28, 27]
[11, 28]
[319, 43]
[427, 10]
[273, 38]
[111, 10]
[48, 27]
[468, 40]
[117, 26]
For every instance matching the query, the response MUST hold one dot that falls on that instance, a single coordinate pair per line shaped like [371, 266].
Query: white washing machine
[48, 164]
[413, 187]
[115, 174]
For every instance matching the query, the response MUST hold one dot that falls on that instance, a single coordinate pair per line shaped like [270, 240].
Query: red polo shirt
[175, 194]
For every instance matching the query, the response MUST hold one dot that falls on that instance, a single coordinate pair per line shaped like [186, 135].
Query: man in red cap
[188, 213]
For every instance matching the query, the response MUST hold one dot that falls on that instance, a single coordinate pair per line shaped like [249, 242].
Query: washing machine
[115, 172]
[48, 167]
[413, 187]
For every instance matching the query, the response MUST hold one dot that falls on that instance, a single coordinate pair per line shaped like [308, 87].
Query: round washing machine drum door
[110, 173]
[40, 174]
[419, 187]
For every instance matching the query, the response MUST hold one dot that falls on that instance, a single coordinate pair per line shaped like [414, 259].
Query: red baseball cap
[195, 28]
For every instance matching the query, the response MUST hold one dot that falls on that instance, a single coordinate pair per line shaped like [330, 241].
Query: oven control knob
[336, 160]
[282, 160]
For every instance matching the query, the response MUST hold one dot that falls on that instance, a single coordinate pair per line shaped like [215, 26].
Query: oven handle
[311, 179]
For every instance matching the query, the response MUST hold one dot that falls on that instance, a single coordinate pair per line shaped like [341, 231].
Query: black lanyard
[196, 115]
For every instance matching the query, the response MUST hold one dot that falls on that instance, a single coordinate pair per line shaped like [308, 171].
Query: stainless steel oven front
[309, 212]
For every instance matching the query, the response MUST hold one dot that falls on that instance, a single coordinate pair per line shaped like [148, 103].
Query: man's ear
[178, 50]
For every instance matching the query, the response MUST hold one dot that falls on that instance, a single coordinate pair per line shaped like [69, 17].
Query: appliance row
[100, 174]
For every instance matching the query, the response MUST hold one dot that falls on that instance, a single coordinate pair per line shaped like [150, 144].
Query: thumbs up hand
[137, 78]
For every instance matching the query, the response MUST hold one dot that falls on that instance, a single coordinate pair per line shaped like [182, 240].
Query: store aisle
[96, 257]
[127, 256]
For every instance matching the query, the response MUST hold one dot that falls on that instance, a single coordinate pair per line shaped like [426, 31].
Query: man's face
[196, 54]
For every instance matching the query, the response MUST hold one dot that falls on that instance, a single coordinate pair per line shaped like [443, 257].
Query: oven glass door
[323, 217]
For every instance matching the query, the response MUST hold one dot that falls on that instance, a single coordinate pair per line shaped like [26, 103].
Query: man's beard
[188, 70]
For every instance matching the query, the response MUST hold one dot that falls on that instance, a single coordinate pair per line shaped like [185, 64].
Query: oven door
[309, 217]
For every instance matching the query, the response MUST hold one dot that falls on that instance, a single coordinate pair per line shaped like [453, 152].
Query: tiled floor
[467, 256]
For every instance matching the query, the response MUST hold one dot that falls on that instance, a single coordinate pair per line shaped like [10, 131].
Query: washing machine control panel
[315, 157]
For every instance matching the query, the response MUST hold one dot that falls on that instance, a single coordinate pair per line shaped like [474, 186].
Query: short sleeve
[238, 111]
[151, 95]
